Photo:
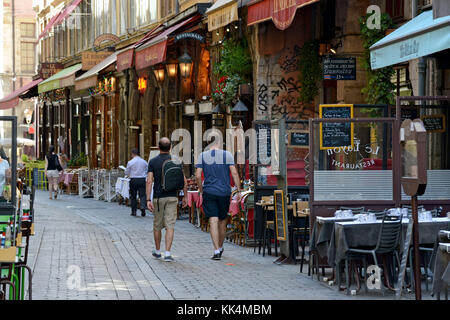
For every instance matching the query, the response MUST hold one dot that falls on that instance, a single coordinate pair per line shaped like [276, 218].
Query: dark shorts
[216, 206]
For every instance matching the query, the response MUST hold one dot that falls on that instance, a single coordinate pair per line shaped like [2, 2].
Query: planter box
[8, 255]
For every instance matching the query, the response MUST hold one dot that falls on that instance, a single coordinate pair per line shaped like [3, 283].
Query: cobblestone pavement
[111, 251]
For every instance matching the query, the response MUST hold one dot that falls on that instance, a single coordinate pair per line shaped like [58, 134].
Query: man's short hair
[135, 151]
[164, 145]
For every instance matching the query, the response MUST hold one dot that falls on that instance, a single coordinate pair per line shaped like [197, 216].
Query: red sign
[152, 55]
[125, 60]
[282, 12]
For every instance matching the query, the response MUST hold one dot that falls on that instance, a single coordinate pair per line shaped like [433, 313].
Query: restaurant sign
[152, 55]
[46, 70]
[103, 38]
[282, 12]
[190, 35]
[90, 59]
[125, 60]
[355, 151]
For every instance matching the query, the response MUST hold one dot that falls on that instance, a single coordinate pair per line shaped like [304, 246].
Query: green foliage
[25, 158]
[235, 59]
[310, 72]
[80, 160]
[379, 89]
[227, 89]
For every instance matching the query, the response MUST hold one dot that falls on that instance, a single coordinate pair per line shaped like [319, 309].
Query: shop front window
[352, 161]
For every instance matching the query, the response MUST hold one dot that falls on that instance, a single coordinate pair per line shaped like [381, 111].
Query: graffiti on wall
[277, 95]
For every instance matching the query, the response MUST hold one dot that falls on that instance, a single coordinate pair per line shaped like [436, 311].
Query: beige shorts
[165, 213]
[52, 174]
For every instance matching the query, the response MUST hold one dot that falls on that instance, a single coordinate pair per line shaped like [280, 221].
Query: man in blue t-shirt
[216, 165]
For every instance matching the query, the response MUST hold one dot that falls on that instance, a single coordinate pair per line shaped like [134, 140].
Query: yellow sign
[90, 59]
[336, 134]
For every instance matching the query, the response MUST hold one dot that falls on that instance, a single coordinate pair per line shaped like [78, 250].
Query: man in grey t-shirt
[216, 165]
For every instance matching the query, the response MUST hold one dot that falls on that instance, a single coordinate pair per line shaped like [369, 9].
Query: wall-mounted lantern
[185, 62]
[142, 85]
[159, 74]
[172, 69]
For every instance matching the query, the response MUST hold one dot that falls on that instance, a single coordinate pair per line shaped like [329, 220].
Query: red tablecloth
[66, 177]
[194, 197]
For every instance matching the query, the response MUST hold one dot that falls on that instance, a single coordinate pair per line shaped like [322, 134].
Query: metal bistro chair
[426, 256]
[388, 240]
[378, 213]
[354, 210]
[300, 231]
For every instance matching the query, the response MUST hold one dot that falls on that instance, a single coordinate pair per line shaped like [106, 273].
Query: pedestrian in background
[216, 165]
[137, 171]
[52, 169]
[168, 179]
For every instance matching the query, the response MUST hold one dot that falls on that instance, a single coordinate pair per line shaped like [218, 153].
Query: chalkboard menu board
[434, 123]
[336, 134]
[280, 216]
[299, 139]
[264, 143]
[339, 68]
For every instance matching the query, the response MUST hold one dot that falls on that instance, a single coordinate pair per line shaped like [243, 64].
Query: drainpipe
[422, 66]
[13, 13]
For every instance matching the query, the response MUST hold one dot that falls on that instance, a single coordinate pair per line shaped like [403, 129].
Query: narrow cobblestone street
[113, 253]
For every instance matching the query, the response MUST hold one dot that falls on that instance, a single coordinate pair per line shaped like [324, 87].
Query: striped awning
[64, 78]
[222, 13]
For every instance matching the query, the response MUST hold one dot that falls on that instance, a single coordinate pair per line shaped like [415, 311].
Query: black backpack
[172, 176]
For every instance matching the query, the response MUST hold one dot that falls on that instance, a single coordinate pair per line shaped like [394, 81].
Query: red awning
[11, 100]
[154, 50]
[68, 11]
[58, 18]
[282, 13]
[125, 59]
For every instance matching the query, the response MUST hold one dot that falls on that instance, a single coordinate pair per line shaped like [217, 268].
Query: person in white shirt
[137, 171]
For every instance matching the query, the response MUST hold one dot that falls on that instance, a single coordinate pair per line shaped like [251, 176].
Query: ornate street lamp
[185, 62]
[159, 74]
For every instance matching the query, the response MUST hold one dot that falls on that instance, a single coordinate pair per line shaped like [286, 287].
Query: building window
[395, 8]
[133, 13]
[123, 16]
[27, 56]
[143, 11]
[27, 30]
[167, 8]
[106, 17]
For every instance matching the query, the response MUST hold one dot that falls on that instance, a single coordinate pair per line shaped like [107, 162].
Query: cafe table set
[332, 237]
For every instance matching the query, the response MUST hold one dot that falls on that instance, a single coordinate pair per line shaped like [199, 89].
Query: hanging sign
[335, 68]
[336, 134]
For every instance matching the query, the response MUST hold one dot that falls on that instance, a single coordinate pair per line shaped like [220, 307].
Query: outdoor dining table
[322, 233]
[365, 234]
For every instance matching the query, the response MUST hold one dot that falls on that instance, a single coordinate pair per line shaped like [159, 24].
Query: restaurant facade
[157, 73]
